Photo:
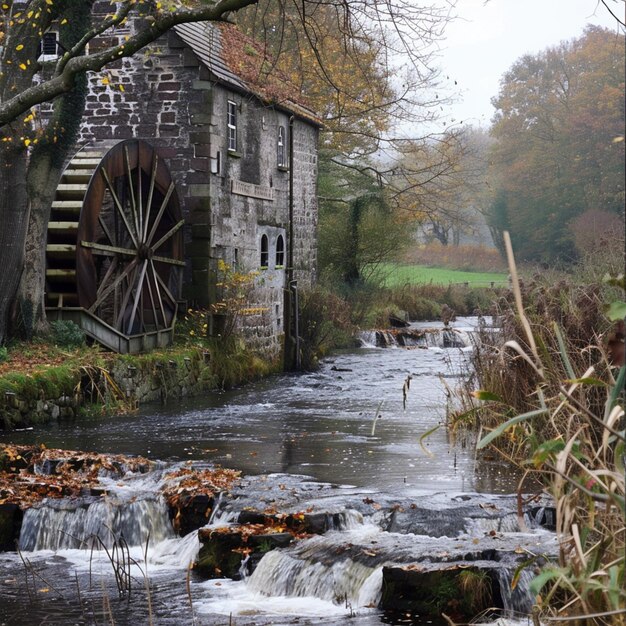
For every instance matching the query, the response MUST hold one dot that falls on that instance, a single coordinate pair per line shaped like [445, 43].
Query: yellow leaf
[64, 21]
[20, 47]
[22, 66]
[27, 142]
[121, 87]
[49, 2]
[105, 81]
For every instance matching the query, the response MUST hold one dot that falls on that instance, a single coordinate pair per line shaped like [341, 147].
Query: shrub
[4, 354]
[325, 323]
[479, 301]
[552, 399]
[67, 334]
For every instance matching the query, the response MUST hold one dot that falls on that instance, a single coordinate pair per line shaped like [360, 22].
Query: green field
[413, 274]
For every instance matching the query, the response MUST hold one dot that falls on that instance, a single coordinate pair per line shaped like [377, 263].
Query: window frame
[281, 147]
[42, 54]
[231, 124]
[280, 252]
[265, 251]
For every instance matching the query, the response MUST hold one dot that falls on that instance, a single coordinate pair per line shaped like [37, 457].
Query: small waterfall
[368, 339]
[348, 519]
[545, 517]
[518, 601]
[447, 338]
[68, 524]
[221, 515]
[501, 524]
[279, 574]
[175, 553]
[412, 337]
[386, 339]
[371, 589]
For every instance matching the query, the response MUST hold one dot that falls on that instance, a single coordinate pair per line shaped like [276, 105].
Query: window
[265, 254]
[232, 126]
[280, 251]
[48, 46]
[282, 153]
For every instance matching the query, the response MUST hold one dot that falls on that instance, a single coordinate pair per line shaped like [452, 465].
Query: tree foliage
[364, 66]
[358, 228]
[559, 151]
[441, 183]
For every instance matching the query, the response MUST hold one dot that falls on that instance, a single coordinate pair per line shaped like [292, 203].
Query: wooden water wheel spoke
[151, 297]
[107, 262]
[110, 271]
[138, 209]
[157, 220]
[153, 174]
[127, 289]
[105, 229]
[119, 207]
[168, 234]
[138, 295]
[129, 177]
[163, 286]
[158, 291]
[113, 285]
[102, 248]
[162, 259]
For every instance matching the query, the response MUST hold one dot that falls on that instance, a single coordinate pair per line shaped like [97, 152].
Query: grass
[414, 274]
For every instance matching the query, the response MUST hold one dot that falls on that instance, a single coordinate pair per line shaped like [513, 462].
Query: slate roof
[240, 62]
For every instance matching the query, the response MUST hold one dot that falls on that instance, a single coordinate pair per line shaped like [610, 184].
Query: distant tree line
[557, 162]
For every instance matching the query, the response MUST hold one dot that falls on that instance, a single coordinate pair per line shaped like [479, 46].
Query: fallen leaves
[28, 474]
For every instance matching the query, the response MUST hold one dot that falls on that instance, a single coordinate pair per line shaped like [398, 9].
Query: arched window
[280, 251]
[281, 148]
[265, 254]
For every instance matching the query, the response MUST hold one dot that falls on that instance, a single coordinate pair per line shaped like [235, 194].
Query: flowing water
[314, 433]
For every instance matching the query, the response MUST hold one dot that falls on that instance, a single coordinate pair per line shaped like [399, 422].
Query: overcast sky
[488, 37]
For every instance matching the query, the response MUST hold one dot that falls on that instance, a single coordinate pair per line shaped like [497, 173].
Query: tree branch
[64, 82]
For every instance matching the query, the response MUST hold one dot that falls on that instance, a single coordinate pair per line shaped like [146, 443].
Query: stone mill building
[192, 165]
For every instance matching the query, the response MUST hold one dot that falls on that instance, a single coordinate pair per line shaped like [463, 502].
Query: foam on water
[227, 597]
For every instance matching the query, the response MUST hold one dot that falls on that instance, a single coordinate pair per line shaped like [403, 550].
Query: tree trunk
[44, 173]
[14, 209]
[441, 233]
[47, 158]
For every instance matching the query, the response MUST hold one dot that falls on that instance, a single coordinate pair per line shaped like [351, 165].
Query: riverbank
[41, 383]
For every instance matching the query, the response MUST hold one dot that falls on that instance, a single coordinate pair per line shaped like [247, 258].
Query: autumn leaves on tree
[559, 144]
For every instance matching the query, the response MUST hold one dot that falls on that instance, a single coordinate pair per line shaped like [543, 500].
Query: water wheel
[115, 248]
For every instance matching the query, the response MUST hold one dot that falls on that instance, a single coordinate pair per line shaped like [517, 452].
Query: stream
[398, 483]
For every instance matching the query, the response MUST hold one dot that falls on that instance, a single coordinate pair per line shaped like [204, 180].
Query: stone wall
[123, 383]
